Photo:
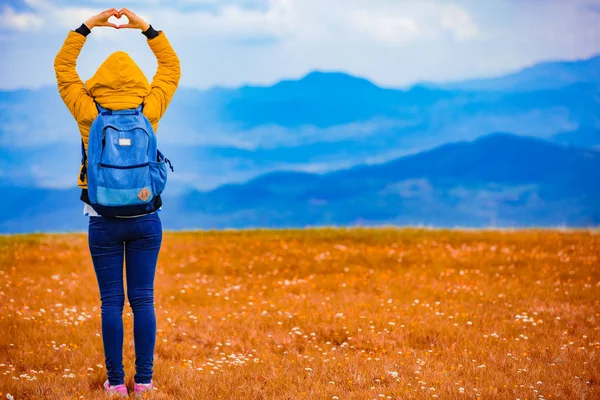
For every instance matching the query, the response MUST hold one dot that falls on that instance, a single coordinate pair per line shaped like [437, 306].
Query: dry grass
[319, 314]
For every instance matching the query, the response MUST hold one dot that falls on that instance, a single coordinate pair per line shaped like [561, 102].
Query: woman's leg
[141, 254]
[105, 239]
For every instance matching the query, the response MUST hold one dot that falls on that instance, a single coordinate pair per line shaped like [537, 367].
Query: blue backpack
[126, 171]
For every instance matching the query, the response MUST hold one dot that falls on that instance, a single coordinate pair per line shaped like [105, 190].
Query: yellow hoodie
[118, 84]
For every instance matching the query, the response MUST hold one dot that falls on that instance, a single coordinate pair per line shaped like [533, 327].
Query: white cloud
[378, 20]
[388, 29]
[232, 42]
[459, 22]
[23, 21]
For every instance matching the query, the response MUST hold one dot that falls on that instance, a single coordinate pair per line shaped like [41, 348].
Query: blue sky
[234, 42]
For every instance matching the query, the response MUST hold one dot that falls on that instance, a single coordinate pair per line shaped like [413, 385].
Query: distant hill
[331, 148]
[584, 138]
[26, 209]
[501, 180]
[323, 99]
[497, 180]
[543, 76]
[321, 122]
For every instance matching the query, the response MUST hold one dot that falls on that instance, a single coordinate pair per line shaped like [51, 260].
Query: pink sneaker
[141, 388]
[120, 390]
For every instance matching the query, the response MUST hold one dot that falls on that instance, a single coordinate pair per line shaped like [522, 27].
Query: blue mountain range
[331, 148]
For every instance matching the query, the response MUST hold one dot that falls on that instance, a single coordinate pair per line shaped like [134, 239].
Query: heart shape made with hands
[119, 21]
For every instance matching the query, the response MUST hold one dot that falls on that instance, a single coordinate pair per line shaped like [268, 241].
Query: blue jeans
[137, 240]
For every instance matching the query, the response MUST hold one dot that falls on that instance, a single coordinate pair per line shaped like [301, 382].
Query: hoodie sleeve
[70, 86]
[166, 79]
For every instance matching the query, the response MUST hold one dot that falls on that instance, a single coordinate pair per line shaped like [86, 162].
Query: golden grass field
[318, 314]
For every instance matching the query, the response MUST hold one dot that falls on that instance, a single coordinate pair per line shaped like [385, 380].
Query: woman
[119, 84]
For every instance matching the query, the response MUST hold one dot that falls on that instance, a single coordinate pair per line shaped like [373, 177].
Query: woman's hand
[135, 22]
[102, 19]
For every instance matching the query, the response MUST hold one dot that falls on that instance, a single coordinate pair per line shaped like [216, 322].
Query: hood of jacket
[118, 84]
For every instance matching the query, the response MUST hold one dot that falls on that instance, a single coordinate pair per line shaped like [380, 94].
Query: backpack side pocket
[158, 176]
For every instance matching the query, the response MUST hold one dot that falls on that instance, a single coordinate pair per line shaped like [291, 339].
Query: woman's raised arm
[167, 76]
[70, 86]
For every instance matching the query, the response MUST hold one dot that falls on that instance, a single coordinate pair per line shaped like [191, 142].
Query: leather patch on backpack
[144, 194]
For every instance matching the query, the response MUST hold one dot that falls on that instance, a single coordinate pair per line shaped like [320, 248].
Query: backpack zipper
[123, 167]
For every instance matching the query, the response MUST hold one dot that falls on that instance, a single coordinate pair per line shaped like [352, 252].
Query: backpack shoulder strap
[102, 110]
[83, 171]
